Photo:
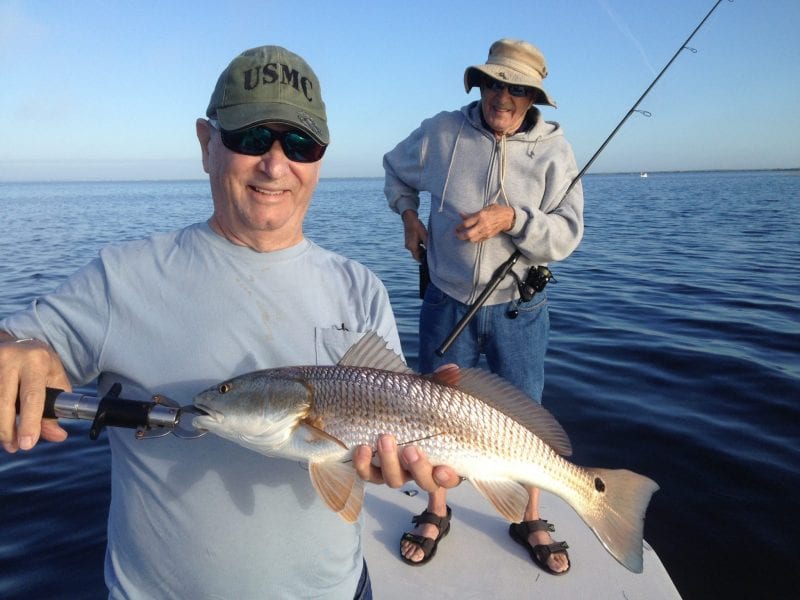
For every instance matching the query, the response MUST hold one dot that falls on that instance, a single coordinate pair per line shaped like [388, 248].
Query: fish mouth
[205, 416]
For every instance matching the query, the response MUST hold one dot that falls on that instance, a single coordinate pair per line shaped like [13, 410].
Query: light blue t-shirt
[172, 315]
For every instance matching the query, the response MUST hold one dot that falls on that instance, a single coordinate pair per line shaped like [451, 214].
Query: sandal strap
[425, 543]
[428, 517]
[557, 547]
[538, 525]
[544, 551]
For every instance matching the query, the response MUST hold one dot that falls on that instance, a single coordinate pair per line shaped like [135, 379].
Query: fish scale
[445, 424]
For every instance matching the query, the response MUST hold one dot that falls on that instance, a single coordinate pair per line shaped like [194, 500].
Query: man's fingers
[8, 413]
[391, 469]
[428, 477]
[416, 463]
[28, 367]
[446, 477]
[397, 468]
[31, 408]
[52, 431]
[362, 461]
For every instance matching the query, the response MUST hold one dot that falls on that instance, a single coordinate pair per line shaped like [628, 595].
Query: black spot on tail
[599, 485]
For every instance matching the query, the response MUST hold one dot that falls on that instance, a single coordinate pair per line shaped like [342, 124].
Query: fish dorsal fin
[373, 352]
[501, 395]
[508, 497]
[339, 486]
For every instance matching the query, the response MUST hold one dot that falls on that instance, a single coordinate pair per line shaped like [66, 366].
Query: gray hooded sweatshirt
[455, 158]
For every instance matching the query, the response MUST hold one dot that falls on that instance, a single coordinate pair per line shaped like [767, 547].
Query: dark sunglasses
[518, 91]
[297, 145]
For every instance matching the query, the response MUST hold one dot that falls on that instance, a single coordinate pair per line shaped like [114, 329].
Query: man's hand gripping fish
[481, 426]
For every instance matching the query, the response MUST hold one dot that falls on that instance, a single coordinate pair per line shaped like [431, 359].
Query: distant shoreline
[197, 179]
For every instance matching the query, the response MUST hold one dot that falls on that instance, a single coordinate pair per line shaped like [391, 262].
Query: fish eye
[224, 388]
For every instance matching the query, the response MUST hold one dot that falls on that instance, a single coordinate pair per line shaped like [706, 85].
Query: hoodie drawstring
[450, 166]
[502, 173]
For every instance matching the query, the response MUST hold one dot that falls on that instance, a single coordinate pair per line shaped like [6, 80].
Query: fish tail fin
[619, 520]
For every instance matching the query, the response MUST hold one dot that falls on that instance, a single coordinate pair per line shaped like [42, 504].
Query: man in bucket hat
[497, 173]
[181, 311]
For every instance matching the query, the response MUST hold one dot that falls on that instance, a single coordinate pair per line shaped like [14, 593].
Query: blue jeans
[364, 589]
[514, 348]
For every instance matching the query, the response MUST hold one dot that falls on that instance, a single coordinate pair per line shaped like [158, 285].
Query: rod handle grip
[49, 402]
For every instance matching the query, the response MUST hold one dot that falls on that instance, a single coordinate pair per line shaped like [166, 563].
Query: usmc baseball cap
[269, 84]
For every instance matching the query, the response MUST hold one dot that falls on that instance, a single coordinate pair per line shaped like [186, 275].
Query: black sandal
[426, 544]
[519, 532]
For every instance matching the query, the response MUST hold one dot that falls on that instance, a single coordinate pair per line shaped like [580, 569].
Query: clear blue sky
[104, 89]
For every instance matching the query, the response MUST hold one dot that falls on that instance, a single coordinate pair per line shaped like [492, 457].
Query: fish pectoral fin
[339, 486]
[317, 435]
[508, 497]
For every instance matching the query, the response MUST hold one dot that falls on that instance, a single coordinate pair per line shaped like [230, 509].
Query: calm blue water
[675, 352]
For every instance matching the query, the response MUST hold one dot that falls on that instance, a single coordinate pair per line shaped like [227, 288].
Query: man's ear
[204, 133]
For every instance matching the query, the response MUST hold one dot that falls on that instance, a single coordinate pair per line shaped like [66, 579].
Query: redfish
[477, 423]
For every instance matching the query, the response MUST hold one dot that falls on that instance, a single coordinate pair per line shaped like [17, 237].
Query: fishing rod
[503, 270]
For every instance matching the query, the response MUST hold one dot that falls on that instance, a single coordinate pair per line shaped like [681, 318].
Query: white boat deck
[479, 560]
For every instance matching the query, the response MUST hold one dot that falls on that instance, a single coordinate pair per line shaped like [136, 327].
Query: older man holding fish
[179, 311]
